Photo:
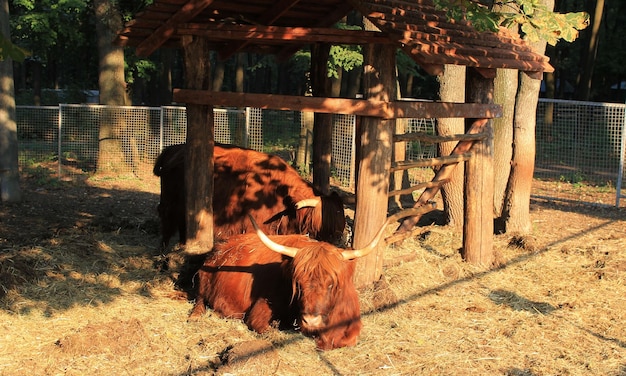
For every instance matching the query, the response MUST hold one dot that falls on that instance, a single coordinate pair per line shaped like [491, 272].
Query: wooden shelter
[282, 27]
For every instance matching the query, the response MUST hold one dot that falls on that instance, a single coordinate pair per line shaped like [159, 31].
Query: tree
[112, 86]
[9, 172]
[516, 206]
[538, 24]
[452, 89]
[55, 32]
[590, 53]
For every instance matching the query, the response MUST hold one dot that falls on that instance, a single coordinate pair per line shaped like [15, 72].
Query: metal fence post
[246, 132]
[59, 135]
[161, 116]
[618, 193]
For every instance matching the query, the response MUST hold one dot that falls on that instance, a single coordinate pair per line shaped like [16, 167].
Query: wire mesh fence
[579, 141]
[576, 143]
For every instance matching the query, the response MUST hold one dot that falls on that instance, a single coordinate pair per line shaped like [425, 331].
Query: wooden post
[199, 154]
[303, 155]
[376, 139]
[323, 127]
[400, 179]
[479, 183]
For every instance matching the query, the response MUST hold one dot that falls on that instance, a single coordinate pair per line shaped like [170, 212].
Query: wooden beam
[415, 213]
[444, 173]
[165, 31]
[413, 188]
[362, 107]
[433, 139]
[279, 8]
[428, 162]
[332, 18]
[285, 102]
[486, 72]
[436, 110]
[276, 34]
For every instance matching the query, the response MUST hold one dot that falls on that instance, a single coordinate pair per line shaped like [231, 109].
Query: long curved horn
[308, 203]
[355, 253]
[352, 254]
[284, 250]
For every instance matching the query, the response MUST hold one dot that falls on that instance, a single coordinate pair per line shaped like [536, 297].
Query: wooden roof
[281, 27]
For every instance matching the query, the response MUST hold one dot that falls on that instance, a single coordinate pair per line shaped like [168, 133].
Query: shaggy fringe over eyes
[313, 263]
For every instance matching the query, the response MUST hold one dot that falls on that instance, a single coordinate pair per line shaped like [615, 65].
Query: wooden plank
[444, 173]
[285, 102]
[361, 107]
[413, 212]
[428, 184]
[270, 16]
[427, 162]
[275, 34]
[163, 33]
[427, 137]
[436, 110]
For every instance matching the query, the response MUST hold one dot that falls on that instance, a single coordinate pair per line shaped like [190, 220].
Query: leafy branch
[533, 18]
[9, 50]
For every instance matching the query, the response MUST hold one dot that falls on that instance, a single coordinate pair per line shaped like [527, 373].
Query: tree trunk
[303, 155]
[505, 87]
[376, 139]
[9, 169]
[548, 119]
[353, 83]
[240, 73]
[218, 75]
[36, 83]
[452, 89]
[584, 86]
[112, 89]
[165, 77]
[516, 213]
[517, 200]
[335, 89]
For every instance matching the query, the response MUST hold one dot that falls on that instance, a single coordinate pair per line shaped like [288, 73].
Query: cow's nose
[312, 321]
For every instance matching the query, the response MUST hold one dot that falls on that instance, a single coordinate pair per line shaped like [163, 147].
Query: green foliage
[9, 50]
[534, 19]
[138, 68]
[299, 67]
[346, 57]
[301, 61]
[45, 23]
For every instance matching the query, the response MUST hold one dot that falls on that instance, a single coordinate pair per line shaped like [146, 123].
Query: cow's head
[322, 217]
[322, 284]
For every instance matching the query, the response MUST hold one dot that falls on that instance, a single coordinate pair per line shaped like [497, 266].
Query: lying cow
[284, 278]
[249, 182]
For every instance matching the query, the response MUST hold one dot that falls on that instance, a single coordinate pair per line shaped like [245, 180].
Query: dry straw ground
[80, 295]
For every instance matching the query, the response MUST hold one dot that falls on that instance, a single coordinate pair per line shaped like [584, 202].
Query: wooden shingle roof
[281, 27]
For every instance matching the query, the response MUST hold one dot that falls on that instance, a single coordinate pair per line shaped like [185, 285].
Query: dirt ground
[83, 292]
